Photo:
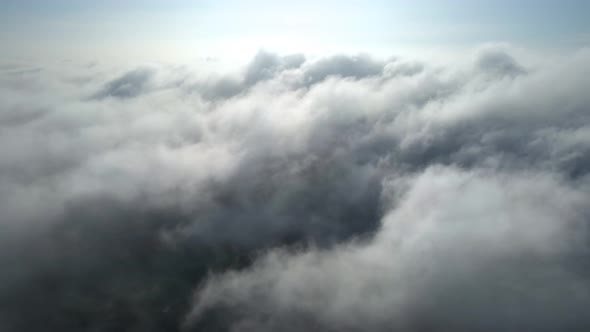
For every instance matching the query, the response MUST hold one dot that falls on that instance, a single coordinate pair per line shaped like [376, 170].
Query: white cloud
[120, 174]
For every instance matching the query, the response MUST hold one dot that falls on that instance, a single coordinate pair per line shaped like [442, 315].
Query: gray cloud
[115, 208]
[359, 66]
[130, 84]
[498, 62]
[461, 251]
[265, 65]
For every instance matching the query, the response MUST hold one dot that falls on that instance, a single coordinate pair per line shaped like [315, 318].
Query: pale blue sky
[171, 28]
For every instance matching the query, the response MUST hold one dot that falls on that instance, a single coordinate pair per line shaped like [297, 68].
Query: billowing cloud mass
[343, 193]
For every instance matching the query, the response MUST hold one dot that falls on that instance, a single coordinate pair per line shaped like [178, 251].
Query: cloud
[461, 251]
[496, 61]
[359, 66]
[130, 84]
[116, 208]
[264, 66]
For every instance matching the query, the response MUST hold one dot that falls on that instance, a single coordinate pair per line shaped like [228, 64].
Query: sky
[182, 29]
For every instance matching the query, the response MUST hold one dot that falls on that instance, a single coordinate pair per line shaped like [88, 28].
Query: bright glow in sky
[185, 29]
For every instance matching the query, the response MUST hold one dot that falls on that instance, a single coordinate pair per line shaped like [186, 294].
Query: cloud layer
[344, 193]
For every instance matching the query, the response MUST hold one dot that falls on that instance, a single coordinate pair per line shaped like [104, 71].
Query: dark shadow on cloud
[220, 89]
[357, 67]
[131, 84]
[399, 68]
[20, 118]
[497, 62]
[22, 72]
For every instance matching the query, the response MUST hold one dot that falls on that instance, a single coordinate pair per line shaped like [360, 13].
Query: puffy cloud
[343, 66]
[264, 66]
[123, 189]
[460, 251]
